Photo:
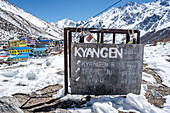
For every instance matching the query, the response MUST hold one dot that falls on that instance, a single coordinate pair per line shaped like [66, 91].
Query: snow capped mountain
[146, 17]
[64, 23]
[17, 22]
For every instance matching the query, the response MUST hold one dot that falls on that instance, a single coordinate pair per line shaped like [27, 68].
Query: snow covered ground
[30, 76]
[155, 57]
[39, 73]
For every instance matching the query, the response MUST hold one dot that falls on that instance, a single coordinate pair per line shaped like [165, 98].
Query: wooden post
[113, 38]
[65, 63]
[81, 36]
[98, 35]
[134, 40]
[70, 40]
[102, 36]
[138, 37]
[127, 38]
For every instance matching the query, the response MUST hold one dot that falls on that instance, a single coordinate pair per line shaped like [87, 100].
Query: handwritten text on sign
[106, 68]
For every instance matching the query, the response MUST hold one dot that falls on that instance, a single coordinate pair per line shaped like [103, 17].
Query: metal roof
[23, 38]
[40, 49]
[45, 40]
[25, 53]
[19, 56]
[21, 48]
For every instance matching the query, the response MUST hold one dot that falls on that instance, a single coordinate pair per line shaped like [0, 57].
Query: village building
[13, 43]
[21, 51]
[31, 42]
[59, 44]
[39, 52]
[22, 42]
[42, 43]
[17, 43]
[18, 58]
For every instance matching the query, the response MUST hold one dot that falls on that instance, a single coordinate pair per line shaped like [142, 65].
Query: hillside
[15, 22]
[150, 37]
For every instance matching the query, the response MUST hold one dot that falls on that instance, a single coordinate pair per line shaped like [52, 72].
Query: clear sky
[55, 10]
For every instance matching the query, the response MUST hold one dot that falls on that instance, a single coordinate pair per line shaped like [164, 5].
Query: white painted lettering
[99, 52]
[84, 52]
[77, 52]
[104, 54]
[96, 52]
[89, 52]
[112, 53]
[120, 53]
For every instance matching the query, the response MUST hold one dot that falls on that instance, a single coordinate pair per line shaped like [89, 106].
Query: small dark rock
[88, 98]
[60, 72]
[5, 80]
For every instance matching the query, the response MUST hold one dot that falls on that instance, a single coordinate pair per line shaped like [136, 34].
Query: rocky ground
[155, 92]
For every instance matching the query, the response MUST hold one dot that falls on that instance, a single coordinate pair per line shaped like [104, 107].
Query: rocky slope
[150, 37]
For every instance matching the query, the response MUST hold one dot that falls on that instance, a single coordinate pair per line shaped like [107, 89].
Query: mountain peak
[164, 2]
[131, 3]
[65, 23]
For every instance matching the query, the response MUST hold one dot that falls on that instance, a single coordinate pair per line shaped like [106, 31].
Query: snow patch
[148, 78]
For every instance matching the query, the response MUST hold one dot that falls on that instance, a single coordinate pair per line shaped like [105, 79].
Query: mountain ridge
[30, 25]
[146, 17]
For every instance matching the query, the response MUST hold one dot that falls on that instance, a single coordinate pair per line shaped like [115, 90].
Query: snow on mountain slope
[64, 23]
[13, 16]
[145, 17]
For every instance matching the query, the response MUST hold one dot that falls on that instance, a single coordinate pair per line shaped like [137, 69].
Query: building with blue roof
[45, 40]
[18, 58]
[23, 38]
[20, 50]
[41, 52]
[26, 53]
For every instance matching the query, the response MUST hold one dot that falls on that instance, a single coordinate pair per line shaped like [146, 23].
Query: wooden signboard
[106, 69]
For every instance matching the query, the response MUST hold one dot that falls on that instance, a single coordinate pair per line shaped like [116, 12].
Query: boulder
[9, 105]
[154, 94]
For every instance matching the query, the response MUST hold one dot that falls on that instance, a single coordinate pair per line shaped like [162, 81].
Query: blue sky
[55, 10]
